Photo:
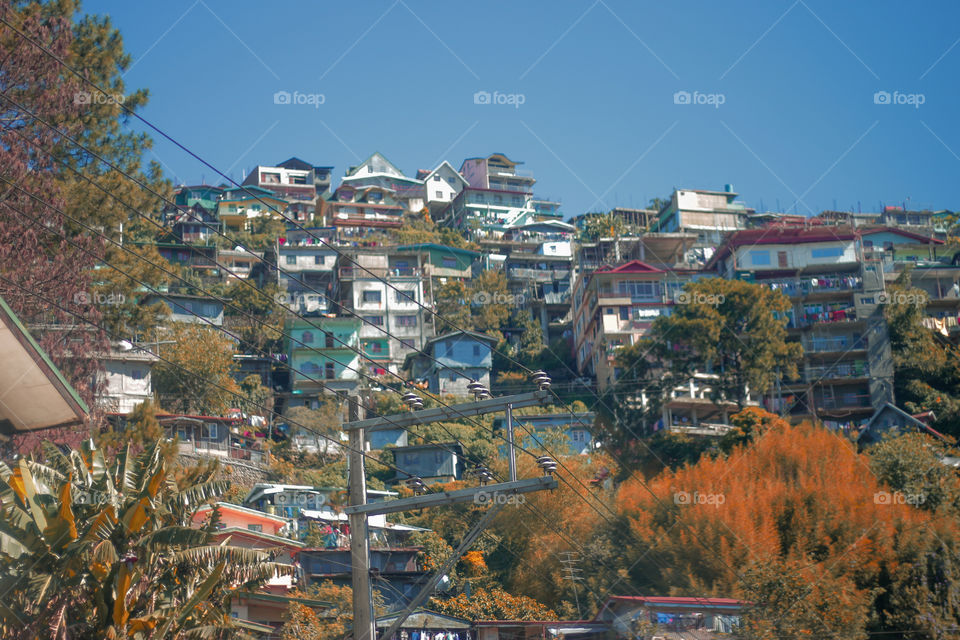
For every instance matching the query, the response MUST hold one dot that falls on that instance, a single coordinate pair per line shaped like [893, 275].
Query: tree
[97, 548]
[194, 373]
[926, 367]
[326, 420]
[253, 315]
[911, 464]
[492, 604]
[142, 429]
[118, 290]
[452, 301]
[489, 301]
[793, 517]
[304, 624]
[36, 266]
[732, 328]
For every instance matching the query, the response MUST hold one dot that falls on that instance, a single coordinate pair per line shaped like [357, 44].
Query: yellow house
[238, 206]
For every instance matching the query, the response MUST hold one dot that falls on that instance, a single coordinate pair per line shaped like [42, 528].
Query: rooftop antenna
[778, 206]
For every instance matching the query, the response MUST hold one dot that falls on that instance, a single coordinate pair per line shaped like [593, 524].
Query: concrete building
[295, 185]
[307, 271]
[837, 315]
[127, 378]
[615, 306]
[239, 206]
[322, 353]
[386, 287]
[377, 171]
[709, 214]
[441, 186]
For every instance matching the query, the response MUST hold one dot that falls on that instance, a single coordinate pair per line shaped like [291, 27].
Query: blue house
[454, 360]
[890, 419]
[439, 462]
[532, 430]
[187, 308]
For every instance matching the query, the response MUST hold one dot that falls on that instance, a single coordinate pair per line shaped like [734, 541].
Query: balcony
[539, 275]
[857, 369]
[845, 401]
[824, 317]
[370, 273]
[835, 343]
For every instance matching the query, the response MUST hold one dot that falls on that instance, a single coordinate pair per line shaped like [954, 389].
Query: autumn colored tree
[194, 373]
[489, 301]
[493, 604]
[141, 431]
[452, 301]
[254, 315]
[795, 513]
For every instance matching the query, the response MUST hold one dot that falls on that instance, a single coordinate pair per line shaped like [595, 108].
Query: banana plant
[91, 549]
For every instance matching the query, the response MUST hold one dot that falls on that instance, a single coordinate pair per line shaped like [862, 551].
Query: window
[183, 434]
[255, 527]
[517, 201]
[328, 339]
[375, 320]
[436, 178]
[476, 351]
[310, 367]
[291, 259]
[210, 310]
[328, 371]
[307, 337]
[449, 263]
[270, 178]
[608, 311]
[405, 296]
[318, 259]
[867, 244]
[406, 321]
[640, 290]
[452, 181]
[624, 313]
[374, 347]
[829, 252]
[439, 195]
[371, 297]
[760, 258]
[209, 431]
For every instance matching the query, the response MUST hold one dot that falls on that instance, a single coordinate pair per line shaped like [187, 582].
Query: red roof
[634, 266]
[684, 600]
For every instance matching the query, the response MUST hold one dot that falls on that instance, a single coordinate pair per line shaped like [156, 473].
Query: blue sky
[783, 94]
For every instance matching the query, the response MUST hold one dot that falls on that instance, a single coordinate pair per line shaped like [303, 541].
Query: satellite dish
[125, 345]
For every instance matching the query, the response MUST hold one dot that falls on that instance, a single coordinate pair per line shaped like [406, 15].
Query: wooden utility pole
[359, 538]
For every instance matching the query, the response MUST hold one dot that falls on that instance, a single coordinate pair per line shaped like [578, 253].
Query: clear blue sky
[599, 125]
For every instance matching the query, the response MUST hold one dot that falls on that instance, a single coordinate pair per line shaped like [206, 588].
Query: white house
[127, 378]
[441, 186]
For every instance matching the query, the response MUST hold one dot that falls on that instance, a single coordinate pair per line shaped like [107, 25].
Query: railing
[805, 287]
[539, 275]
[825, 317]
[837, 343]
[839, 370]
[379, 272]
[845, 400]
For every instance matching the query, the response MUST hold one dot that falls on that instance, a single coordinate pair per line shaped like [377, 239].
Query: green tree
[926, 366]
[119, 292]
[97, 548]
[911, 464]
[142, 429]
[732, 328]
[194, 374]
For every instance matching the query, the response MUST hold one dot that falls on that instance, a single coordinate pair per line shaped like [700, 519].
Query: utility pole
[359, 540]
[494, 494]
[569, 562]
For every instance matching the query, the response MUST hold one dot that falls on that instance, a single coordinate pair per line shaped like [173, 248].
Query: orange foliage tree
[793, 520]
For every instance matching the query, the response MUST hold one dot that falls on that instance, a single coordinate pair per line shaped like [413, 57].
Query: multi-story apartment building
[307, 270]
[237, 206]
[377, 171]
[203, 194]
[386, 287]
[360, 207]
[709, 214]
[836, 314]
[498, 196]
[321, 175]
[296, 186]
[615, 306]
[323, 354]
